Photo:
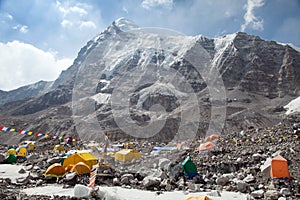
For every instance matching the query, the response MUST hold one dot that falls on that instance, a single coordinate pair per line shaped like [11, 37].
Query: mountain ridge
[253, 71]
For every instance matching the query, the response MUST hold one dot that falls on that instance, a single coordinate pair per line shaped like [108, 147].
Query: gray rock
[28, 167]
[125, 181]
[163, 163]
[222, 180]
[2, 158]
[116, 181]
[271, 195]
[150, 182]
[281, 198]
[256, 156]
[22, 171]
[54, 160]
[285, 191]
[248, 179]
[70, 176]
[160, 174]
[174, 170]
[39, 182]
[242, 186]
[129, 176]
[32, 157]
[258, 193]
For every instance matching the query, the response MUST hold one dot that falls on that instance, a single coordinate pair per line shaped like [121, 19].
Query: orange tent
[81, 168]
[206, 146]
[279, 168]
[198, 198]
[212, 137]
[55, 170]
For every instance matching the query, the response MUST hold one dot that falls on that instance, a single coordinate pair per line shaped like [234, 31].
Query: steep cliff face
[259, 77]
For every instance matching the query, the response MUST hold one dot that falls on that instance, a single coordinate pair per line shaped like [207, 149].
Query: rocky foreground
[233, 165]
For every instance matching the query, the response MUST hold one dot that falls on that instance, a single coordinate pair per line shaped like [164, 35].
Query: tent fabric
[22, 151]
[189, 167]
[58, 147]
[55, 170]
[81, 168]
[279, 168]
[212, 137]
[31, 146]
[11, 159]
[11, 151]
[127, 155]
[205, 146]
[84, 157]
[198, 198]
[266, 168]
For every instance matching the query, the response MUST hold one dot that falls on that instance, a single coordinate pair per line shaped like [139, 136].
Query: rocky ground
[233, 165]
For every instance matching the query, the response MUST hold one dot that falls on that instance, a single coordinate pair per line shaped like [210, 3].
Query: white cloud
[21, 28]
[75, 16]
[250, 18]
[66, 23]
[23, 64]
[87, 24]
[82, 25]
[149, 4]
[9, 16]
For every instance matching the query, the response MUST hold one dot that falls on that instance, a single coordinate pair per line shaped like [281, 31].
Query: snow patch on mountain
[221, 44]
[101, 98]
[293, 106]
[291, 45]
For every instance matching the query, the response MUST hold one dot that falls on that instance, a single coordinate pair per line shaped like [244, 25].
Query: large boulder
[150, 182]
[257, 194]
[242, 186]
[222, 180]
[163, 163]
[271, 195]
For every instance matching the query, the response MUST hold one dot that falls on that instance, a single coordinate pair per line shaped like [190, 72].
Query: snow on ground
[293, 106]
[12, 172]
[119, 193]
[112, 193]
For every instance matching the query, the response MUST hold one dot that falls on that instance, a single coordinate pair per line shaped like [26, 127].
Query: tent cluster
[20, 152]
[37, 134]
[79, 163]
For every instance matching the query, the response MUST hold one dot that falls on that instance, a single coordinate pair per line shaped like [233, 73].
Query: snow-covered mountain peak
[125, 24]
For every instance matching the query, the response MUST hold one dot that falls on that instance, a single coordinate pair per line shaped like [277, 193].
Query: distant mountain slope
[24, 92]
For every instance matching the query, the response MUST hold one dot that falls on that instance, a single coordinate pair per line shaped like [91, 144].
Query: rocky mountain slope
[160, 85]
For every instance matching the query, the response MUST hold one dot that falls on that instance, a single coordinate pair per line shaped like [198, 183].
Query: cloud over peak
[251, 20]
[149, 4]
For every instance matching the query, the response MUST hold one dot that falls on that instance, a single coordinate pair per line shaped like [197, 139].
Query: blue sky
[40, 38]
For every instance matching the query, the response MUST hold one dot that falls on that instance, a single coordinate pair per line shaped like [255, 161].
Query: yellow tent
[127, 155]
[12, 151]
[81, 168]
[58, 147]
[55, 170]
[22, 152]
[84, 157]
[31, 146]
[198, 198]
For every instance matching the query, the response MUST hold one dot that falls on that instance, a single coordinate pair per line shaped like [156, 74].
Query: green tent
[11, 159]
[189, 168]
